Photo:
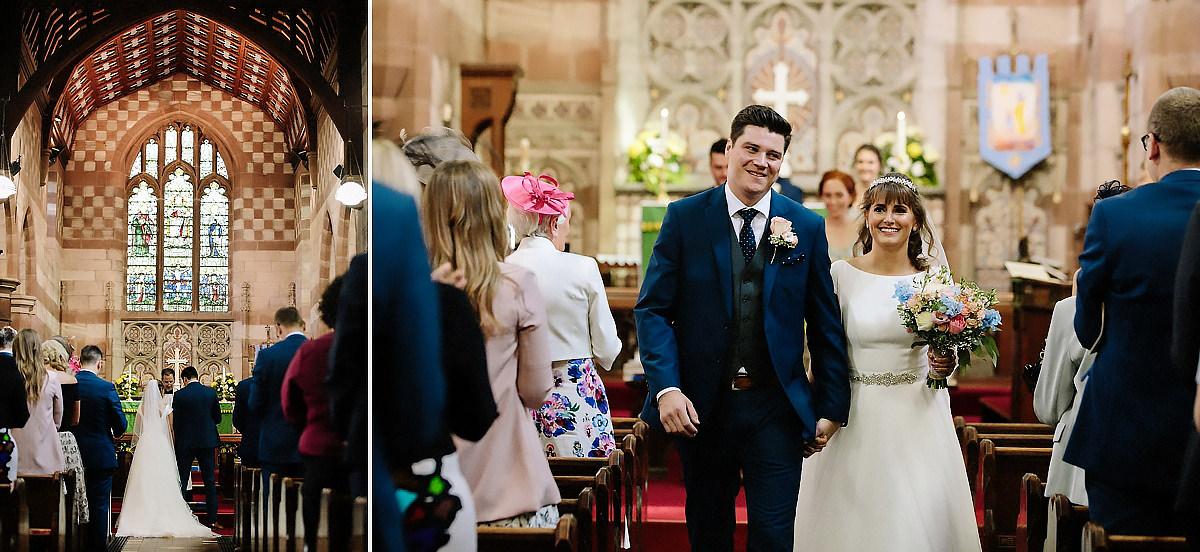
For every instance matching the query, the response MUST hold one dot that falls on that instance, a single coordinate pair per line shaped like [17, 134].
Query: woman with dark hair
[868, 163]
[896, 466]
[836, 190]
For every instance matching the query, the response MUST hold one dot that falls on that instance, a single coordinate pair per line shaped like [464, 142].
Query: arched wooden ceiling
[174, 42]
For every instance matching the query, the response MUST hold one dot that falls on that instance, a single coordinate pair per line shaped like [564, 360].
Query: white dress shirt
[581, 324]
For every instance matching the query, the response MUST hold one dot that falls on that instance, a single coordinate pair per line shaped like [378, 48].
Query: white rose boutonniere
[782, 235]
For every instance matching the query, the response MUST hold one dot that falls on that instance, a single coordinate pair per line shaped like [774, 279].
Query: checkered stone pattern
[264, 217]
[253, 131]
[93, 212]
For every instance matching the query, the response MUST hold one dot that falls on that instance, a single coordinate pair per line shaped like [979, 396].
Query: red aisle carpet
[224, 508]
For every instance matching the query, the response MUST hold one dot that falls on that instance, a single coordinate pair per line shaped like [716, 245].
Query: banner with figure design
[1014, 113]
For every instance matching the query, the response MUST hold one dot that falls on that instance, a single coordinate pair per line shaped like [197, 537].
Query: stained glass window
[177, 242]
[206, 159]
[142, 250]
[177, 257]
[170, 150]
[214, 250]
[152, 158]
[187, 140]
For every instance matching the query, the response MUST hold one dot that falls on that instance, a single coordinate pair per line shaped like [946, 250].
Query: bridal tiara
[895, 178]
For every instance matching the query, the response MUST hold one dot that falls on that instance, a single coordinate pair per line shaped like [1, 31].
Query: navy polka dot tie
[746, 236]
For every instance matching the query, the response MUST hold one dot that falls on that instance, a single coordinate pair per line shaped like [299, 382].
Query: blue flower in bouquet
[904, 290]
[991, 319]
[952, 307]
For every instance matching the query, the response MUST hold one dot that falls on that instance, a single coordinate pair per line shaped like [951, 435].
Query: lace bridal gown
[893, 479]
[153, 505]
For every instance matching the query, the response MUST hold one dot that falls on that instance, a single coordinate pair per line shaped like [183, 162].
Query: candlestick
[901, 147]
[665, 127]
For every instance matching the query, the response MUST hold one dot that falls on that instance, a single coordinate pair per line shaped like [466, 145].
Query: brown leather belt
[742, 383]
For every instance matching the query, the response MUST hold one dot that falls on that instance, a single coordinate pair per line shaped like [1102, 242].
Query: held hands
[941, 366]
[825, 430]
[677, 414]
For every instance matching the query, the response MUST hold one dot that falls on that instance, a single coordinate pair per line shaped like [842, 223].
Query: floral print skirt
[575, 420]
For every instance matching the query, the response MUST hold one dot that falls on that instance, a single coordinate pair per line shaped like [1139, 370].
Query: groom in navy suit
[1134, 419]
[196, 415]
[721, 325]
[101, 421]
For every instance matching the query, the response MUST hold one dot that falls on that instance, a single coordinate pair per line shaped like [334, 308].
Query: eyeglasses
[1145, 145]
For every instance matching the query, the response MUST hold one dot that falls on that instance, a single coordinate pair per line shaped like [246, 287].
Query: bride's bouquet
[949, 317]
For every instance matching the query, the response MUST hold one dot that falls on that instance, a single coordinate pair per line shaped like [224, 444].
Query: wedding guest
[1060, 386]
[72, 358]
[868, 163]
[836, 190]
[1126, 280]
[464, 225]
[14, 411]
[1185, 354]
[717, 164]
[575, 420]
[306, 406]
[247, 423]
[41, 452]
[101, 421]
[57, 359]
[278, 441]
[919, 498]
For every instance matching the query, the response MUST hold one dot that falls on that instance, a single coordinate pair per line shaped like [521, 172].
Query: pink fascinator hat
[539, 195]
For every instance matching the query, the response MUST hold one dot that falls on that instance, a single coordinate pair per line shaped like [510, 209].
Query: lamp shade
[7, 187]
[351, 192]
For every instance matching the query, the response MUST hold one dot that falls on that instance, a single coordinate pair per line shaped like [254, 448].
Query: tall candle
[663, 132]
[524, 154]
[900, 149]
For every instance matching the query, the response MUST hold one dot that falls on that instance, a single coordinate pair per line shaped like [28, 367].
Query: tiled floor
[152, 545]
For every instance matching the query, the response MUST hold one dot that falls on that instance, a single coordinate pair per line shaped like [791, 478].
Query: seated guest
[463, 220]
[58, 361]
[41, 452]
[575, 420]
[14, 411]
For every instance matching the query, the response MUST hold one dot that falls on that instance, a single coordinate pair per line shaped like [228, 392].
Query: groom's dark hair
[761, 116]
[190, 373]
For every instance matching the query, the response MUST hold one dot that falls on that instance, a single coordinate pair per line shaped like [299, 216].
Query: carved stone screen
[150, 346]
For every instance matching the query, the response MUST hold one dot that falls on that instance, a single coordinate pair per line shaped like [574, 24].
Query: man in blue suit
[246, 423]
[1133, 422]
[101, 421]
[196, 415]
[721, 326]
[278, 442]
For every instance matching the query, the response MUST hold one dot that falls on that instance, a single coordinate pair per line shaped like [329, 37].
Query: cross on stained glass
[781, 97]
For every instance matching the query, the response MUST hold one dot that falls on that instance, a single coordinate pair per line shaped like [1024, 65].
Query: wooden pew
[634, 489]
[47, 512]
[1009, 428]
[293, 541]
[1031, 516]
[1069, 520]
[14, 517]
[226, 474]
[273, 542]
[358, 525]
[1096, 539]
[249, 503]
[73, 530]
[971, 438]
[564, 537]
[997, 492]
[333, 506]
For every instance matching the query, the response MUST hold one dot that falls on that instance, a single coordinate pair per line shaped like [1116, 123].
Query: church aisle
[156, 544]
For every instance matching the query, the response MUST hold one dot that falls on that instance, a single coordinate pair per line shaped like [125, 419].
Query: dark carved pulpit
[1033, 305]
[489, 92]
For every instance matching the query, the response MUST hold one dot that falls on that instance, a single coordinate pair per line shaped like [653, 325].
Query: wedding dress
[893, 478]
[153, 505]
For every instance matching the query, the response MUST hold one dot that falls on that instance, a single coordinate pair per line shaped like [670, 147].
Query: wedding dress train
[152, 505]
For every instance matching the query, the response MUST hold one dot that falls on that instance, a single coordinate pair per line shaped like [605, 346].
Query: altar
[130, 409]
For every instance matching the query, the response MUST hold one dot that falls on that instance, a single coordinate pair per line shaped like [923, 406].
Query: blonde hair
[27, 351]
[54, 356]
[463, 220]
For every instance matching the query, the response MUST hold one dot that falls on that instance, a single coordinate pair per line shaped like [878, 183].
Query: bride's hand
[941, 365]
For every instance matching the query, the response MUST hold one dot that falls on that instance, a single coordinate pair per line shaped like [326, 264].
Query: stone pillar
[7, 287]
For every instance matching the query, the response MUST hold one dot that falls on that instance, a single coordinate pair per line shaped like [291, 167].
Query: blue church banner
[1014, 113]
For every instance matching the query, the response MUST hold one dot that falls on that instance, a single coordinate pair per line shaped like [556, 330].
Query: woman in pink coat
[41, 452]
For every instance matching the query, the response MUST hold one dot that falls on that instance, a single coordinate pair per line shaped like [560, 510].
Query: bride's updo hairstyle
[897, 188]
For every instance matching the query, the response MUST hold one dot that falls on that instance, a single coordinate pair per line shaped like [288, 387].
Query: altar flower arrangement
[949, 316]
[657, 161]
[918, 160]
[225, 386]
[127, 386]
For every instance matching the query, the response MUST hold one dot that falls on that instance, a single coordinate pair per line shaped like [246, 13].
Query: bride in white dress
[153, 506]
[893, 479]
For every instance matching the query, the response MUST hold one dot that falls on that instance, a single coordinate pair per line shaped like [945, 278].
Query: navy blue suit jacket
[246, 421]
[197, 413]
[1135, 417]
[685, 310]
[278, 442]
[101, 420]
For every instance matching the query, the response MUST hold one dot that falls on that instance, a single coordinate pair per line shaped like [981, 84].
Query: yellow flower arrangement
[919, 160]
[656, 162]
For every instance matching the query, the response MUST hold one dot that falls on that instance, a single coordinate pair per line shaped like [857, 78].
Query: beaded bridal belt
[884, 378]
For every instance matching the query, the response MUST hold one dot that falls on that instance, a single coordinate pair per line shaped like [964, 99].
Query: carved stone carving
[151, 346]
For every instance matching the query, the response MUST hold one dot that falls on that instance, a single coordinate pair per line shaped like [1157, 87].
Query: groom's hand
[825, 429]
[677, 414]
